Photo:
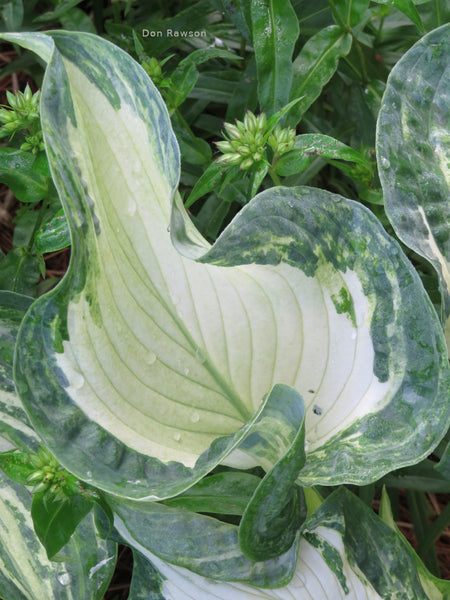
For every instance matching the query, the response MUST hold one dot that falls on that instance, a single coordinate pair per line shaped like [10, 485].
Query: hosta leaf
[205, 545]
[15, 429]
[25, 571]
[414, 153]
[275, 30]
[144, 367]
[346, 552]
[314, 67]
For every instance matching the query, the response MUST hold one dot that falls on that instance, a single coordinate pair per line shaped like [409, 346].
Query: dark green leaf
[273, 516]
[16, 171]
[349, 12]
[20, 272]
[12, 15]
[17, 466]
[54, 235]
[210, 179]
[408, 8]
[245, 94]
[316, 144]
[239, 13]
[315, 65]
[275, 31]
[61, 9]
[185, 76]
[223, 493]
[55, 521]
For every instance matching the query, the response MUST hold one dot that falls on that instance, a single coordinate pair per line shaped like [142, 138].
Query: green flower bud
[247, 163]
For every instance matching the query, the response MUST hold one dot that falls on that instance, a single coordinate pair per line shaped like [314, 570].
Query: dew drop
[186, 371]
[77, 381]
[177, 437]
[131, 207]
[306, 445]
[353, 335]
[195, 417]
[200, 356]
[17, 165]
[88, 474]
[64, 578]
[385, 164]
[150, 359]
[168, 228]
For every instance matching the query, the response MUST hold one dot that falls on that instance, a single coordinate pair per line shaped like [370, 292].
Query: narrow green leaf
[239, 13]
[20, 271]
[54, 235]
[62, 8]
[414, 153]
[55, 520]
[185, 76]
[275, 31]
[225, 493]
[408, 8]
[16, 171]
[208, 181]
[26, 573]
[314, 67]
[316, 144]
[349, 12]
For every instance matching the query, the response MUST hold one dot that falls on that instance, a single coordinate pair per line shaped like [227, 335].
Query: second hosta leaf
[414, 153]
[144, 367]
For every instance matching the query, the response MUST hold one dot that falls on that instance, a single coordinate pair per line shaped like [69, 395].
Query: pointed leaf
[16, 171]
[275, 31]
[25, 571]
[314, 67]
[346, 552]
[408, 8]
[55, 520]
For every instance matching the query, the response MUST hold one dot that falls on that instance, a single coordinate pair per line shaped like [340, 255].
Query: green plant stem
[274, 176]
[418, 508]
[437, 10]
[441, 523]
[365, 77]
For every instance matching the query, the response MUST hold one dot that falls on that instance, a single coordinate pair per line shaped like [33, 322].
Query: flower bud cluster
[154, 69]
[246, 141]
[23, 115]
[282, 140]
[50, 476]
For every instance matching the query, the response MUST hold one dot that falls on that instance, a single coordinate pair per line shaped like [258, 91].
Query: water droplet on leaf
[200, 356]
[64, 578]
[77, 381]
[385, 164]
[177, 437]
[195, 417]
[150, 359]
